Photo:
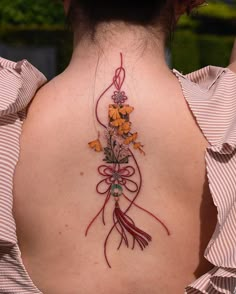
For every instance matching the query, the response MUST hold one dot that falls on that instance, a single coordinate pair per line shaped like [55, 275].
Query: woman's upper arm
[232, 65]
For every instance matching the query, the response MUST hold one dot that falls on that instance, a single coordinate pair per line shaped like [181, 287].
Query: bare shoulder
[232, 66]
[45, 106]
[42, 97]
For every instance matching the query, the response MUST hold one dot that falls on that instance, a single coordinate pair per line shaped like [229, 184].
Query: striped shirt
[211, 95]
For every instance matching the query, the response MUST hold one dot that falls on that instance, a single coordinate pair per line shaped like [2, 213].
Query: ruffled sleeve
[18, 85]
[211, 96]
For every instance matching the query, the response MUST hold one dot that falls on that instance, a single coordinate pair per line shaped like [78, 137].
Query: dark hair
[90, 13]
[132, 11]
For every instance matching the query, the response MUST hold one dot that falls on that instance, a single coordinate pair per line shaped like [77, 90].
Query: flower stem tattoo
[117, 171]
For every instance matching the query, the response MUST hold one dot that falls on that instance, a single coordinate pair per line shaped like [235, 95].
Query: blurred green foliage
[184, 47]
[218, 9]
[191, 51]
[214, 50]
[205, 37]
[31, 12]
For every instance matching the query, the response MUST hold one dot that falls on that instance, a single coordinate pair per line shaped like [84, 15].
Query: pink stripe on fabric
[211, 96]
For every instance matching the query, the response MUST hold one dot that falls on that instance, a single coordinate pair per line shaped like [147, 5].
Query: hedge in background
[31, 12]
[185, 51]
[191, 51]
[215, 50]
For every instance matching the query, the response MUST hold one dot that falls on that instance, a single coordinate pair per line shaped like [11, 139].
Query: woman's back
[55, 195]
[147, 179]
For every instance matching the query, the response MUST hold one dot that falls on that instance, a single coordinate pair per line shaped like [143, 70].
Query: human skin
[232, 65]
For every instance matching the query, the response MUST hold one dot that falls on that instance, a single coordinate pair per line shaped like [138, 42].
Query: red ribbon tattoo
[120, 168]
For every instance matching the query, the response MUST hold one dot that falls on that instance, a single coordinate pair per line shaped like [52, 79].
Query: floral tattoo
[120, 165]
